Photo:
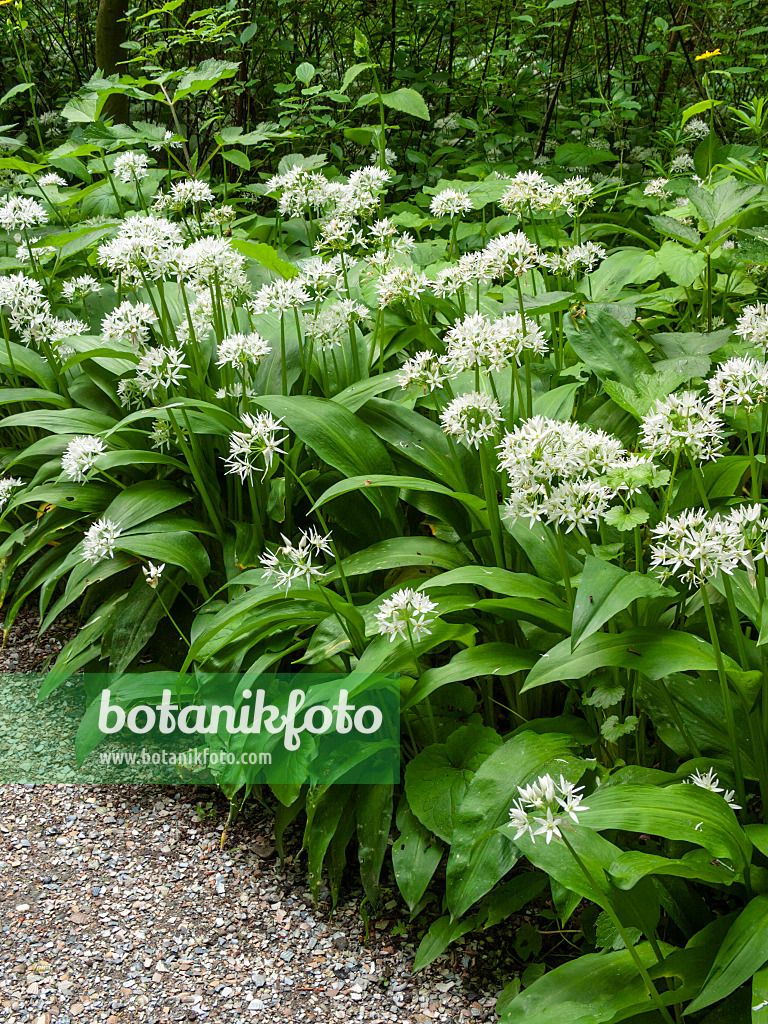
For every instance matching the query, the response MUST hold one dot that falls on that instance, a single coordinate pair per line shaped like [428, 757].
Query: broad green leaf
[479, 854]
[605, 988]
[402, 551]
[653, 652]
[437, 778]
[407, 101]
[604, 591]
[336, 435]
[352, 73]
[682, 266]
[305, 72]
[576, 154]
[607, 348]
[698, 108]
[204, 77]
[143, 501]
[182, 549]
[265, 255]
[487, 659]
[415, 856]
[441, 934]
[373, 808]
[684, 813]
[744, 952]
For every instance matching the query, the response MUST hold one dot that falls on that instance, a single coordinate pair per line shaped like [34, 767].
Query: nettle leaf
[407, 101]
[204, 77]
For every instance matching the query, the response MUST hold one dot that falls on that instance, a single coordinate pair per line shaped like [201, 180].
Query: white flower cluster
[144, 247]
[425, 370]
[710, 781]
[682, 423]
[20, 213]
[697, 545]
[280, 296]
[546, 804]
[30, 313]
[129, 323]
[656, 188]
[752, 325]
[8, 484]
[530, 188]
[559, 472]
[187, 192]
[242, 350]
[76, 288]
[128, 166]
[681, 164]
[261, 439]
[80, 456]
[152, 573]
[450, 203]
[407, 613]
[292, 562]
[739, 381]
[400, 284]
[472, 418]
[212, 264]
[331, 325]
[697, 128]
[475, 341]
[99, 540]
[160, 368]
[579, 257]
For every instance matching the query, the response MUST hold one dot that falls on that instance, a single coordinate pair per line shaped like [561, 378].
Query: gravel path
[117, 905]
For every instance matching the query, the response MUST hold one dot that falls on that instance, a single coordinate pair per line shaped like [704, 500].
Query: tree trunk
[111, 31]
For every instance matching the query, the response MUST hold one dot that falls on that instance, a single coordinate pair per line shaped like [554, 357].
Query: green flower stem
[653, 992]
[191, 460]
[283, 364]
[726, 695]
[492, 505]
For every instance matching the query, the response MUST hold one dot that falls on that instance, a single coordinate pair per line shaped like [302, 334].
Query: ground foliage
[364, 391]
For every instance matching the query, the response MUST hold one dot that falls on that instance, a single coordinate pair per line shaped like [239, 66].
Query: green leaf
[407, 101]
[352, 73]
[607, 348]
[415, 856]
[143, 501]
[626, 519]
[441, 934]
[305, 72]
[179, 548]
[373, 807]
[480, 855]
[204, 77]
[336, 435]
[265, 255]
[576, 154]
[744, 951]
[236, 157]
[653, 652]
[604, 591]
[605, 988]
[682, 813]
[682, 266]
[487, 659]
[15, 90]
[437, 778]
[698, 108]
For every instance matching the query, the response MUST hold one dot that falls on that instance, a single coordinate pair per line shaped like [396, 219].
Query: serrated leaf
[407, 101]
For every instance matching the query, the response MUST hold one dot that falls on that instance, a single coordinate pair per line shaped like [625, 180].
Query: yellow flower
[707, 54]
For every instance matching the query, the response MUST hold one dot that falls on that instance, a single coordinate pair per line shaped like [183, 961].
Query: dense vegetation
[424, 338]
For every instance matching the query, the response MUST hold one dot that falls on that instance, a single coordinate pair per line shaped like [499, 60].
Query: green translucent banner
[203, 728]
